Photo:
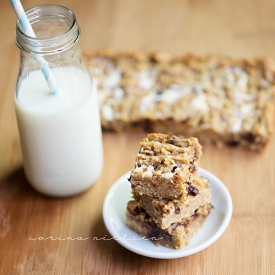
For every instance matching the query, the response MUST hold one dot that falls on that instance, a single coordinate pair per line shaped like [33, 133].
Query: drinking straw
[28, 30]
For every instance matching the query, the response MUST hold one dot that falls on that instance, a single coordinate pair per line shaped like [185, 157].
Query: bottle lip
[52, 44]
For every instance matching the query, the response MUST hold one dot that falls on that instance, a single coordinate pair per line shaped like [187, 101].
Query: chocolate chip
[170, 119]
[185, 223]
[174, 168]
[249, 137]
[195, 214]
[158, 233]
[173, 140]
[137, 210]
[163, 200]
[177, 210]
[193, 168]
[192, 190]
[195, 153]
[146, 125]
[147, 216]
[232, 143]
[135, 123]
[184, 121]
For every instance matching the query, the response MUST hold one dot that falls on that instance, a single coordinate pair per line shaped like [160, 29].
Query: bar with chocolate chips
[166, 211]
[166, 167]
[215, 98]
[170, 199]
[176, 235]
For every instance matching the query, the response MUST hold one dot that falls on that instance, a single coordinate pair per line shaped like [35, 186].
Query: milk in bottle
[60, 134]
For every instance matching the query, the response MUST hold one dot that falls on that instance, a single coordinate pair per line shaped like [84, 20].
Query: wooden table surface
[237, 28]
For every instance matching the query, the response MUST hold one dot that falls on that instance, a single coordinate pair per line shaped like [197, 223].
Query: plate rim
[175, 253]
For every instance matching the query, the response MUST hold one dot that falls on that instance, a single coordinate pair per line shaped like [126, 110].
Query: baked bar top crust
[185, 150]
[175, 236]
[166, 167]
[214, 98]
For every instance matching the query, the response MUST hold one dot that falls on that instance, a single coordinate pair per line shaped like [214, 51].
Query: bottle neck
[55, 27]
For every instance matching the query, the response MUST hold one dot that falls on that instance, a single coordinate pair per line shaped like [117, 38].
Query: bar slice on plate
[166, 167]
[170, 199]
[165, 212]
[175, 236]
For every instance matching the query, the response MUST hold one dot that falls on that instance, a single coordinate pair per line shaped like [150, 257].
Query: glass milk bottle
[60, 133]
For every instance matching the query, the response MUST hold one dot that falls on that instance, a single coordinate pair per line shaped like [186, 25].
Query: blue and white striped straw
[27, 29]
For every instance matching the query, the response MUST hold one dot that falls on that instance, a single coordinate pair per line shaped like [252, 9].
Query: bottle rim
[53, 44]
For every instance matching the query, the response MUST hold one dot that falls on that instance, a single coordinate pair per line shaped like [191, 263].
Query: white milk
[60, 134]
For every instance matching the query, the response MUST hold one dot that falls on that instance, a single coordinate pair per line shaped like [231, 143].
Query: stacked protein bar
[171, 201]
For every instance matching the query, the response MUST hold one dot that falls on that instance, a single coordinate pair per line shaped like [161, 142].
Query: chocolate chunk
[174, 168]
[147, 216]
[177, 210]
[249, 137]
[173, 140]
[164, 200]
[195, 214]
[192, 190]
[135, 123]
[185, 223]
[193, 168]
[146, 125]
[170, 119]
[158, 233]
[137, 211]
[232, 143]
[184, 121]
[195, 153]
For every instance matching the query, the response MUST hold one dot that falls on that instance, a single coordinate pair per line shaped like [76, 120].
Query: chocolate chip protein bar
[214, 98]
[170, 199]
[165, 212]
[175, 236]
[166, 167]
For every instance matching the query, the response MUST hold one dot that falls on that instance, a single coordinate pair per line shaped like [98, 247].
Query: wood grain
[234, 28]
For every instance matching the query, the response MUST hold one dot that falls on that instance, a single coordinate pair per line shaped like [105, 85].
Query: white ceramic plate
[114, 209]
